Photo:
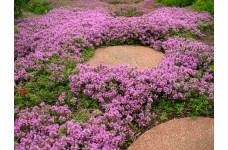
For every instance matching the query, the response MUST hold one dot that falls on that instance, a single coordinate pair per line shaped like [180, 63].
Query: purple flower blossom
[62, 97]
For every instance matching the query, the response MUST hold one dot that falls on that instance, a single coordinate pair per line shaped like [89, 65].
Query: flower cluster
[178, 73]
[66, 31]
[39, 128]
[52, 128]
[131, 91]
[125, 94]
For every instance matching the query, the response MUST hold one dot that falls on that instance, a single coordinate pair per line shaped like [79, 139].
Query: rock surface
[178, 134]
[139, 56]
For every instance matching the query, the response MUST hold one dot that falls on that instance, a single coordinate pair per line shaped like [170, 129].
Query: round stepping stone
[178, 134]
[139, 56]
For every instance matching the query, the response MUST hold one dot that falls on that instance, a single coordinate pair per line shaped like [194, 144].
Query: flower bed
[48, 48]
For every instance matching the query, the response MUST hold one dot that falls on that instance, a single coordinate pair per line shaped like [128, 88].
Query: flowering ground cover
[60, 103]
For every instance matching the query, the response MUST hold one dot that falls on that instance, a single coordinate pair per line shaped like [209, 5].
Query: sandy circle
[178, 134]
[139, 56]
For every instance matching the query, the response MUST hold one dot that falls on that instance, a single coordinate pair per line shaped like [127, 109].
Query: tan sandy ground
[178, 134]
[139, 56]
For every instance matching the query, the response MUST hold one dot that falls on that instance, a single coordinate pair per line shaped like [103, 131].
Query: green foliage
[128, 12]
[204, 5]
[87, 102]
[184, 34]
[133, 126]
[38, 6]
[18, 6]
[79, 41]
[81, 116]
[116, 2]
[179, 108]
[133, 42]
[163, 116]
[138, 1]
[87, 53]
[16, 29]
[35, 6]
[212, 67]
[128, 42]
[178, 3]
[40, 88]
[199, 106]
[62, 131]
[206, 28]
[112, 43]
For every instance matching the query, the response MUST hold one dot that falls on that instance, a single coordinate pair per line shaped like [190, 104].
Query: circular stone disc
[178, 134]
[139, 56]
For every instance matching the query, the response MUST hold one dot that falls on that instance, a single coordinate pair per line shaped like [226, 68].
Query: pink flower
[73, 100]
[62, 97]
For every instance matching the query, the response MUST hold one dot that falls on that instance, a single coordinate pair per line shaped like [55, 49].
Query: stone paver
[178, 134]
[139, 56]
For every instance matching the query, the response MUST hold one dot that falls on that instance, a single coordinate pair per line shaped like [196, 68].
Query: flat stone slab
[139, 56]
[178, 134]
